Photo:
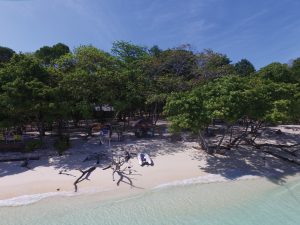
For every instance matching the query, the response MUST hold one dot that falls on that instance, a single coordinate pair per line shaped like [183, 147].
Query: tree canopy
[49, 54]
[244, 67]
[54, 84]
[232, 98]
[5, 54]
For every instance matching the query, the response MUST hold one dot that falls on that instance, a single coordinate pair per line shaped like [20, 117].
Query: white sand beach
[170, 163]
[174, 162]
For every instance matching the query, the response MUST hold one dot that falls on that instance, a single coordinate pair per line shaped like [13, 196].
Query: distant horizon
[262, 32]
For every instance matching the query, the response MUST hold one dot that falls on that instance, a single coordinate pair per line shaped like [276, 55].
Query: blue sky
[262, 31]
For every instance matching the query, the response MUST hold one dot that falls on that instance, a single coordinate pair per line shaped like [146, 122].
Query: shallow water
[240, 202]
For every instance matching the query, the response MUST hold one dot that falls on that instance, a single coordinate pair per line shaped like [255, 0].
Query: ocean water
[245, 202]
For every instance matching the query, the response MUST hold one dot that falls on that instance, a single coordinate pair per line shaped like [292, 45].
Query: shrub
[62, 144]
[33, 145]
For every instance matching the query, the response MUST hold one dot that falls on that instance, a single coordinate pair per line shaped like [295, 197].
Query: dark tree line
[54, 84]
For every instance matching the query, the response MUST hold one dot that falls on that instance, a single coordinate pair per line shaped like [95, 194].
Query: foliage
[186, 111]
[5, 54]
[26, 92]
[295, 69]
[231, 98]
[33, 145]
[62, 144]
[49, 54]
[213, 65]
[127, 52]
[277, 72]
[55, 84]
[244, 67]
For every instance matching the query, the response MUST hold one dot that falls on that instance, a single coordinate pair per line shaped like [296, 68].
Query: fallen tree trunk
[281, 147]
[281, 157]
[86, 173]
[204, 144]
[278, 146]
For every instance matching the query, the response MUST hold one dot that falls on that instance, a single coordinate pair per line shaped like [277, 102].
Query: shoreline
[112, 194]
[216, 203]
[175, 164]
[45, 178]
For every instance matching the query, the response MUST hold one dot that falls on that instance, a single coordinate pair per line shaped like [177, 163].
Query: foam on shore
[30, 199]
[257, 201]
[211, 178]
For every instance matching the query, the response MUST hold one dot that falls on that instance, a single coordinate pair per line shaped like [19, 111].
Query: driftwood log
[84, 176]
[116, 167]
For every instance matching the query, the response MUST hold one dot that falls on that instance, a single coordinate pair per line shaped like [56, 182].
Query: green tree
[295, 69]
[169, 71]
[86, 78]
[244, 67]
[213, 65]
[26, 93]
[127, 52]
[5, 54]
[155, 51]
[277, 72]
[131, 81]
[231, 98]
[49, 54]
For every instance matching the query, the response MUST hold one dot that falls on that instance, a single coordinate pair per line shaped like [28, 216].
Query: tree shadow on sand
[74, 158]
[154, 146]
[127, 177]
[244, 161]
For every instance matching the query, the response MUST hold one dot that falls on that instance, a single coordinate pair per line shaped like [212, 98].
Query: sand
[173, 162]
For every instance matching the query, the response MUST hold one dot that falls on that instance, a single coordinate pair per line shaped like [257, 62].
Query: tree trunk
[42, 128]
[60, 128]
[41, 125]
[223, 136]
[203, 143]
[89, 129]
[155, 117]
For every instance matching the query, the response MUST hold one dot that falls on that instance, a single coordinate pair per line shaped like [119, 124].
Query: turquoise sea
[244, 202]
